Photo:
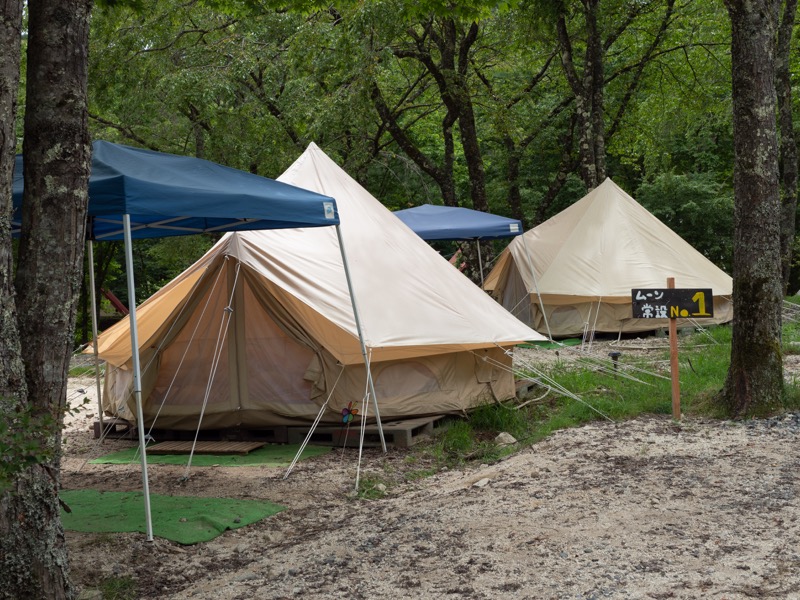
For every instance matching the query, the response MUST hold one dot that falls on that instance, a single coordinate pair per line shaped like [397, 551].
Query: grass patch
[118, 588]
[372, 488]
[271, 455]
[704, 358]
[83, 371]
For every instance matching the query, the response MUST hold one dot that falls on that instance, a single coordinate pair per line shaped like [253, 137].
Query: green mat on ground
[182, 519]
[276, 455]
[550, 345]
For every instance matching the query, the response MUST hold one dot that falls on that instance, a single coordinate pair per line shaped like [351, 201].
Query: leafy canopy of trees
[516, 108]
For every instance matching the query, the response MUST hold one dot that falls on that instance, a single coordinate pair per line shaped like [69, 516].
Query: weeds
[371, 488]
[704, 358]
[118, 588]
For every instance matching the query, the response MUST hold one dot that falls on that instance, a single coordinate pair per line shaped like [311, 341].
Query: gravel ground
[641, 509]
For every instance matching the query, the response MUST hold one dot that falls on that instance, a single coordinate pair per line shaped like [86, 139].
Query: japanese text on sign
[672, 303]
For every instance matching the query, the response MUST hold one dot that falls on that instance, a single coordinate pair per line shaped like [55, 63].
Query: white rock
[505, 439]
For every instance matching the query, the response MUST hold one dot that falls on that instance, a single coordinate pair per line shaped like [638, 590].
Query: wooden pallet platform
[240, 448]
[114, 429]
[121, 429]
[400, 434]
[271, 435]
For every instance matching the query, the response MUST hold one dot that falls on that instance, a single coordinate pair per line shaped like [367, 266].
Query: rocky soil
[641, 509]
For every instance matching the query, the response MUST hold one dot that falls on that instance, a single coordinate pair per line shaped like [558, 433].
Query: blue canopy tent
[167, 194]
[136, 193]
[432, 222]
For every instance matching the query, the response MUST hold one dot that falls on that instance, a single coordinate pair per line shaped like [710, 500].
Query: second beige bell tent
[574, 273]
[261, 330]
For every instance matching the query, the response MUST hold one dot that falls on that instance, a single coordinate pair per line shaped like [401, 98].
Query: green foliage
[704, 357]
[136, 5]
[165, 258]
[24, 441]
[156, 262]
[459, 439]
[497, 418]
[249, 83]
[698, 209]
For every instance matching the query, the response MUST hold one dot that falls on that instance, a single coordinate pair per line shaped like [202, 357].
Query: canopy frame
[107, 202]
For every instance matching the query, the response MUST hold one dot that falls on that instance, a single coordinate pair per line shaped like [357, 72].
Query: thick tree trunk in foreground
[788, 144]
[33, 553]
[11, 369]
[755, 377]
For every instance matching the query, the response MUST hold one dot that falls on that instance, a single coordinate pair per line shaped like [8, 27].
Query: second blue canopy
[432, 222]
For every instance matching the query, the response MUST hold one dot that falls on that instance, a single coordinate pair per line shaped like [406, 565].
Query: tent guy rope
[227, 312]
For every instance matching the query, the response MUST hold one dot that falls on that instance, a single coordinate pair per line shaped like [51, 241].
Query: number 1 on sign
[700, 298]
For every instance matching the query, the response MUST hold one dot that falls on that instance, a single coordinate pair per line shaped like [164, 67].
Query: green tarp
[277, 455]
[182, 519]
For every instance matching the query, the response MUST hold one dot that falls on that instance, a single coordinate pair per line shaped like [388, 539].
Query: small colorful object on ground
[348, 413]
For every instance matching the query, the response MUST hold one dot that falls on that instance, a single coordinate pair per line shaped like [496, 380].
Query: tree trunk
[596, 89]
[567, 165]
[448, 64]
[755, 378]
[443, 176]
[588, 91]
[468, 128]
[12, 379]
[57, 163]
[12, 370]
[473, 157]
[788, 145]
[513, 162]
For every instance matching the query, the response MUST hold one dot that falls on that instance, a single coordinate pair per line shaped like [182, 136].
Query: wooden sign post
[672, 304]
[673, 360]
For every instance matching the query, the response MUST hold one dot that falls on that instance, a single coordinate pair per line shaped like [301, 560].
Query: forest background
[518, 112]
[519, 108]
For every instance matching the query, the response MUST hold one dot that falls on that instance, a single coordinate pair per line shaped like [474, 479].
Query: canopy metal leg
[361, 336]
[480, 262]
[137, 372]
[92, 295]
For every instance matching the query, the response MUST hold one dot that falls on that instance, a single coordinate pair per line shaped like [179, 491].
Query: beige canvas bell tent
[261, 330]
[574, 273]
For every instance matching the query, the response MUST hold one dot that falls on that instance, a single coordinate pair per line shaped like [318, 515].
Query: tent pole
[137, 373]
[360, 336]
[90, 249]
[536, 286]
[362, 431]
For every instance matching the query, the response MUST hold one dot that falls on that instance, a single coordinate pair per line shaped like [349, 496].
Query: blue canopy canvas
[432, 222]
[168, 195]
